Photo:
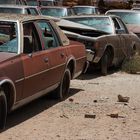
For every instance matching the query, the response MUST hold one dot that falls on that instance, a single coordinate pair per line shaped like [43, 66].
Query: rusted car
[110, 41]
[35, 58]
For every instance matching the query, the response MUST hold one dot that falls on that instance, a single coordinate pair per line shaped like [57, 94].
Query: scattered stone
[95, 101]
[123, 99]
[90, 116]
[71, 100]
[115, 114]
[58, 136]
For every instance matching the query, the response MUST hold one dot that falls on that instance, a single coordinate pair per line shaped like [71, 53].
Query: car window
[32, 2]
[32, 11]
[11, 10]
[69, 12]
[55, 12]
[31, 38]
[50, 39]
[8, 37]
[123, 27]
[118, 26]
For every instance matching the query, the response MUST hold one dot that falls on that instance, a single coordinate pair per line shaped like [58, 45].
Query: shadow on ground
[96, 73]
[32, 109]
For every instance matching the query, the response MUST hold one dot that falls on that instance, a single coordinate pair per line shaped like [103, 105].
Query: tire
[3, 110]
[63, 89]
[104, 63]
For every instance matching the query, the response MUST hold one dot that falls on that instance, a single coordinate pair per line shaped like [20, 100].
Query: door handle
[46, 59]
[62, 54]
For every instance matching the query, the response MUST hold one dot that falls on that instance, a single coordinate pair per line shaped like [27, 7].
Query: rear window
[8, 37]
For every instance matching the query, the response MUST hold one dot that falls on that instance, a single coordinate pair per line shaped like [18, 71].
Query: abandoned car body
[111, 41]
[36, 58]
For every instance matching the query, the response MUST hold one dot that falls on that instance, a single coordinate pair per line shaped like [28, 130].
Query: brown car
[108, 42]
[35, 58]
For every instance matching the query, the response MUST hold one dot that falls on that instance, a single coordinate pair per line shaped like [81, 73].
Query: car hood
[133, 28]
[6, 56]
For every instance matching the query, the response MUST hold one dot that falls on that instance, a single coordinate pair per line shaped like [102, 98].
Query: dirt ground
[84, 115]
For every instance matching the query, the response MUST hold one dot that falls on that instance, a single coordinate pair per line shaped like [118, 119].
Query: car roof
[22, 17]
[122, 10]
[16, 6]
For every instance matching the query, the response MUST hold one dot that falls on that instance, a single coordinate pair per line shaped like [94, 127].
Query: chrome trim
[11, 82]
[33, 97]
[19, 80]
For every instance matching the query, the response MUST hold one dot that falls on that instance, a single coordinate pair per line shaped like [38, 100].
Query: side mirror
[120, 31]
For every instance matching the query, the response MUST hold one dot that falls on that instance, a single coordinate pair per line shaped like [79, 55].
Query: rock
[95, 101]
[123, 99]
[71, 100]
[90, 116]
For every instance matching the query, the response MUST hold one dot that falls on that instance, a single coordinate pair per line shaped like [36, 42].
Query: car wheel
[104, 63]
[63, 89]
[3, 110]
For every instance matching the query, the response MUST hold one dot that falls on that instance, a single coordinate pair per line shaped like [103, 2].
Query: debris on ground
[64, 116]
[115, 114]
[90, 116]
[123, 99]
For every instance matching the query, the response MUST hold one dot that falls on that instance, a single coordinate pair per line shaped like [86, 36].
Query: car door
[120, 48]
[35, 61]
[56, 52]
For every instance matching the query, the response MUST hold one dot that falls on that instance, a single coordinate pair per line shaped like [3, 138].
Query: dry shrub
[132, 65]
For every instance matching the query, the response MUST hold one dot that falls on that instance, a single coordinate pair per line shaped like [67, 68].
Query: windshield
[100, 23]
[128, 18]
[84, 10]
[8, 37]
[11, 10]
[54, 12]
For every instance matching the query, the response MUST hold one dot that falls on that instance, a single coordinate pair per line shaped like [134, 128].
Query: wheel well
[9, 92]
[71, 66]
[111, 53]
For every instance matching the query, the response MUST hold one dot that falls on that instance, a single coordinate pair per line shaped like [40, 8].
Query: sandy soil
[92, 95]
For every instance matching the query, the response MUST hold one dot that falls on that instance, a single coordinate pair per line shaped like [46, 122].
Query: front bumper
[90, 55]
